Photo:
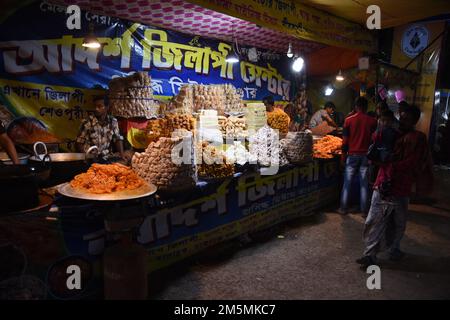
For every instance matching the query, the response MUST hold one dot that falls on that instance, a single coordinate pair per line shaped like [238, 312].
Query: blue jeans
[356, 164]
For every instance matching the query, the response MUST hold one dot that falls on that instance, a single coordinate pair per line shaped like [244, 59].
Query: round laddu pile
[278, 119]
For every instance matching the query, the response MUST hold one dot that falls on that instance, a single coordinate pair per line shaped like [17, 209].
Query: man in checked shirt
[101, 130]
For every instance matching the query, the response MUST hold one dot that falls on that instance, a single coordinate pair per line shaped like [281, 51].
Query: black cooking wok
[64, 166]
[19, 186]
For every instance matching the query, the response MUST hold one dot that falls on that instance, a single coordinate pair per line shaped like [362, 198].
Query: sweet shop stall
[138, 133]
[353, 74]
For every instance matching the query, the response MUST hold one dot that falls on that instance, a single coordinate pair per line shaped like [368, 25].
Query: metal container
[4, 158]
[64, 166]
[28, 148]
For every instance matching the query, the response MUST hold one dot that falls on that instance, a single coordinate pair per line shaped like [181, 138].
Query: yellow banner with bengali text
[61, 108]
[296, 19]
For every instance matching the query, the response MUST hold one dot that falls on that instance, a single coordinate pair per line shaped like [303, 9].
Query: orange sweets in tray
[107, 178]
[326, 147]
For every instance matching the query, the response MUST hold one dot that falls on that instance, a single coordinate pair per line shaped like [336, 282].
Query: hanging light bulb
[233, 57]
[298, 64]
[290, 53]
[339, 76]
[328, 91]
[91, 41]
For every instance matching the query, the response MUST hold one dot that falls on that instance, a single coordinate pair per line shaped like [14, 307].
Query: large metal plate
[143, 191]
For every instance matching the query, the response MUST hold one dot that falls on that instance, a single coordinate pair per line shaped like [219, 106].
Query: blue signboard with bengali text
[37, 47]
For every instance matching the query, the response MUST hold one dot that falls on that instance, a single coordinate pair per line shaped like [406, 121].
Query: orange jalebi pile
[328, 146]
[107, 178]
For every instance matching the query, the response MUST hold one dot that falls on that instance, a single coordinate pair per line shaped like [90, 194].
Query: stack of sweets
[156, 166]
[209, 97]
[237, 153]
[298, 147]
[256, 117]
[265, 147]
[233, 127]
[132, 96]
[156, 129]
[209, 126]
[233, 102]
[164, 127]
[212, 162]
[183, 102]
[180, 121]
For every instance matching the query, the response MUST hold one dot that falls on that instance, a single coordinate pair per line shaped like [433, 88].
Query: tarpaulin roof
[189, 18]
[183, 15]
[330, 60]
[393, 12]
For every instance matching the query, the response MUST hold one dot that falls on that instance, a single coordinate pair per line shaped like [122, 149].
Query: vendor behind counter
[324, 121]
[101, 130]
[324, 115]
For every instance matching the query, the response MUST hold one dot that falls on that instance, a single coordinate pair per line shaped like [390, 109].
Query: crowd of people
[402, 157]
[301, 114]
[386, 153]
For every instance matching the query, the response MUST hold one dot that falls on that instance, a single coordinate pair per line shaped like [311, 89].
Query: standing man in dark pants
[412, 163]
[357, 134]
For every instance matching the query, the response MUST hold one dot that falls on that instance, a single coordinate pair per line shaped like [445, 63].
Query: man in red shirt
[358, 129]
[412, 163]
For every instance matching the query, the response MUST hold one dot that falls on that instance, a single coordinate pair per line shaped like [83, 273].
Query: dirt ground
[313, 258]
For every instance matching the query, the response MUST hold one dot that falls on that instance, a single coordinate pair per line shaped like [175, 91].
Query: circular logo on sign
[414, 40]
